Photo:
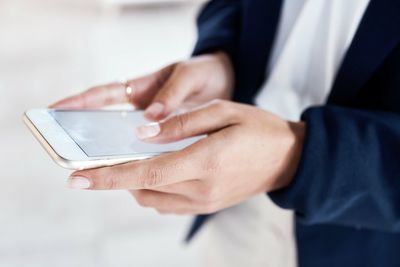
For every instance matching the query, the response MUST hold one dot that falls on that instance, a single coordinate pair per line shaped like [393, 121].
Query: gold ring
[128, 89]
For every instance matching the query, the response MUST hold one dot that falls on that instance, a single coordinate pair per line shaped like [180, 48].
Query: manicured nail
[148, 130]
[154, 110]
[78, 182]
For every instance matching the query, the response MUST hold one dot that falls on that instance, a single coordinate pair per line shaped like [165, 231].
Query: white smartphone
[83, 139]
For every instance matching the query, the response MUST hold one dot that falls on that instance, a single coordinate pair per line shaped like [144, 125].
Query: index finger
[96, 97]
[146, 174]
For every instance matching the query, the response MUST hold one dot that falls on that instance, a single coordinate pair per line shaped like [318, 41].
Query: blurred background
[53, 48]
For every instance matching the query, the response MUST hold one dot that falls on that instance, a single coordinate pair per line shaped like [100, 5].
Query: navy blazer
[346, 192]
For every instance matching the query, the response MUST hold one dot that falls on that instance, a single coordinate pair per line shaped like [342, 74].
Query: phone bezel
[63, 149]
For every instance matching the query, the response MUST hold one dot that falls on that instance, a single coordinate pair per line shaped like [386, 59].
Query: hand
[181, 85]
[248, 151]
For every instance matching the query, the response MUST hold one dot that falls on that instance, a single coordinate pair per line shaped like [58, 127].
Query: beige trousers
[253, 233]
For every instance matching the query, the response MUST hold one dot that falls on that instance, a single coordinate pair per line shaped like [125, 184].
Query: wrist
[227, 71]
[296, 136]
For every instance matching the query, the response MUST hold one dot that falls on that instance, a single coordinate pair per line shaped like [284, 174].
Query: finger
[163, 202]
[95, 97]
[147, 174]
[145, 88]
[197, 190]
[142, 92]
[206, 119]
[189, 188]
[171, 95]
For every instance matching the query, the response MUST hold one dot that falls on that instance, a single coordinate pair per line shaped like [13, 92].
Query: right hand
[181, 85]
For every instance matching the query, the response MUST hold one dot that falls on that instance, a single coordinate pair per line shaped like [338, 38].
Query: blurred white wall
[50, 49]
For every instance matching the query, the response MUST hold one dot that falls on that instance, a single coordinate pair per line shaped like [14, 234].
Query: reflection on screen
[110, 133]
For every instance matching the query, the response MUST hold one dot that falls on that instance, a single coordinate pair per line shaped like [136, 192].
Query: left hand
[248, 151]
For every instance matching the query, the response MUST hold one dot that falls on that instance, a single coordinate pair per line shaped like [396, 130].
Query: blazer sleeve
[349, 172]
[218, 27]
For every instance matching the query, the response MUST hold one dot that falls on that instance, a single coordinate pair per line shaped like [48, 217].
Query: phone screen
[110, 133]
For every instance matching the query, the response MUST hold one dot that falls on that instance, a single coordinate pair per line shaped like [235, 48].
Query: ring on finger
[129, 89]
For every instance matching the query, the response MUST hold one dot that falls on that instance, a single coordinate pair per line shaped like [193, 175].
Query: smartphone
[84, 139]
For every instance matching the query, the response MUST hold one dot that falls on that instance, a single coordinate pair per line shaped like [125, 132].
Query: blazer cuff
[294, 196]
[209, 46]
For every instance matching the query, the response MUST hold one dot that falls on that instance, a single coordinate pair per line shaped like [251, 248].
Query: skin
[184, 84]
[247, 151]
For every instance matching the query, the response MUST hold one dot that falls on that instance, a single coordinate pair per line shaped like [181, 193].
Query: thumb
[170, 97]
[211, 117]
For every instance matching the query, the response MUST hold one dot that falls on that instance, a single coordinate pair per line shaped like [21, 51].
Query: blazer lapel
[258, 33]
[377, 35]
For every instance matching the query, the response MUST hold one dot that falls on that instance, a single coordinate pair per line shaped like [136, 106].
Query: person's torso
[368, 77]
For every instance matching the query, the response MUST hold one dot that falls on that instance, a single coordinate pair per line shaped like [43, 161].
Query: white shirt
[313, 37]
[312, 40]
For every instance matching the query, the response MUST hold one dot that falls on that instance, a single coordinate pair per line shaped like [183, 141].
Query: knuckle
[111, 181]
[216, 103]
[181, 124]
[209, 194]
[212, 164]
[219, 103]
[152, 177]
[228, 109]
[224, 107]
[209, 208]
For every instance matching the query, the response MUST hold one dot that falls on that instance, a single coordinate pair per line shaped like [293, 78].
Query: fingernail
[155, 109]
[78, 182]
[148, 130]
